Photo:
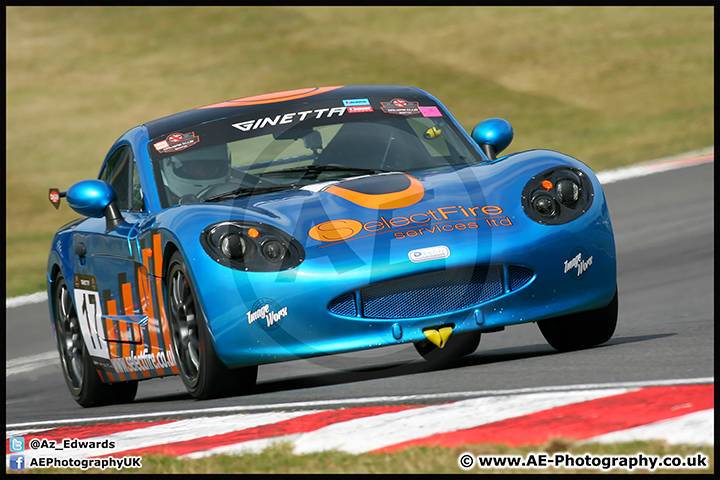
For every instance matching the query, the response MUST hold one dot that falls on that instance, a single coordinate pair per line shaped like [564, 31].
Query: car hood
[367, 214]
[389, 217]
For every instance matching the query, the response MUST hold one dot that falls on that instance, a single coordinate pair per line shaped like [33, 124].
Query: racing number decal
[89, 313]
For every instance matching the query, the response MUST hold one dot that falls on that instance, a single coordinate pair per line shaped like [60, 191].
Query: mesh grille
[344, 305]
[432, 293]
[518, 276]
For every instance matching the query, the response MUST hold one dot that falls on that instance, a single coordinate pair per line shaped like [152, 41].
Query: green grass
[279, 459]
[608, 85]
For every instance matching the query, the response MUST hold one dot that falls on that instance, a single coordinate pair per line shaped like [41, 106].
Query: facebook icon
[17, 462]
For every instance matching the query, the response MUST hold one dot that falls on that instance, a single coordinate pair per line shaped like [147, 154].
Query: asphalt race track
[664, 233]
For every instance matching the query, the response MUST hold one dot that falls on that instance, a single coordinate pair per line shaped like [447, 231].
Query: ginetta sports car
[319, 221]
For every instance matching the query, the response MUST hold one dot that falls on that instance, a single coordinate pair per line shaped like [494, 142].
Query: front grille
[432, 293]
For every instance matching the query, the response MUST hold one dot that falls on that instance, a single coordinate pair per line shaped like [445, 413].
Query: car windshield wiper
[310, 169]
[247, 191]
[316, 169]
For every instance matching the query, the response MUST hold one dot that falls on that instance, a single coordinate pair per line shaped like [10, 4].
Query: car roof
[178, 121]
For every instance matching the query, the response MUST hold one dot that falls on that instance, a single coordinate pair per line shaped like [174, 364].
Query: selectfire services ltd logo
[440, 220]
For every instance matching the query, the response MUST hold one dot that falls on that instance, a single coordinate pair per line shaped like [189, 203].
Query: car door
[110, 271]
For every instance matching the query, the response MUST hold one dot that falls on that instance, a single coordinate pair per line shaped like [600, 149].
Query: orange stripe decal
[274, 97]
[128, 299]
[384, 201]
[157, 255]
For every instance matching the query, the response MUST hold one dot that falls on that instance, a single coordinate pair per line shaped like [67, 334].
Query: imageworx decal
[440, 220]
[266, 313]
[579, 264]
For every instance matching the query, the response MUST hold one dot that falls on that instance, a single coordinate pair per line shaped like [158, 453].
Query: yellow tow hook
[438, 336]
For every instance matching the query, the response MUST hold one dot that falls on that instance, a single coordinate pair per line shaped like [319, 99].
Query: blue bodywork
[373, 282]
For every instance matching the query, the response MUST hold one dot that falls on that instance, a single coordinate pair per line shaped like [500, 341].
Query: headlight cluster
[557, 195]
[251, 246]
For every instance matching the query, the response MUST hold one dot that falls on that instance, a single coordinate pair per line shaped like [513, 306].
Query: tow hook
[438, 335]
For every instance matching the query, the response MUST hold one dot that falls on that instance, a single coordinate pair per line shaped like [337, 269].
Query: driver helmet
[191, 172]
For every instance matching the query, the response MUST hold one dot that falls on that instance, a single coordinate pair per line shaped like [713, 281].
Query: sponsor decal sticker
[361, 109]
[430, 253]
[289, 118]
[399, 106]
[176, 142]
[579, 264]
[266, 313]
[355, 102]
[430, 112]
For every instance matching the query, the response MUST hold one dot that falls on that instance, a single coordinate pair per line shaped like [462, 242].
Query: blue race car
[319, 221]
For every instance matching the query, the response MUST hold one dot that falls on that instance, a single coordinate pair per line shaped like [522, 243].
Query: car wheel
[86, 386]
[457, 346]
[202, 372]
[581, 330]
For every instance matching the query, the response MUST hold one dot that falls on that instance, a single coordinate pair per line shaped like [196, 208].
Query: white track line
[31, 362]
[689, 159]
[25, 300]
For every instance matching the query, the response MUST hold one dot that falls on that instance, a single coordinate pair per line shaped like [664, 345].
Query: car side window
[121, 172]
[117, 174]
[137, 204]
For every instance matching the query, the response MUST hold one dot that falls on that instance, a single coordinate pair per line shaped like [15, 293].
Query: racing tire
[457, 346]
[581, 330]
[83, 381]
[202, 372]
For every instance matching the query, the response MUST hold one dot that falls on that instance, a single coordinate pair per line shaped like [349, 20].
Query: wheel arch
[168, 252]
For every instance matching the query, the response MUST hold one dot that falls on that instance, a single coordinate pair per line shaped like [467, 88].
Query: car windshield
[286, 148]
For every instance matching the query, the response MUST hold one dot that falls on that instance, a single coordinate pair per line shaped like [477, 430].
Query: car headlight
[233, 246]
[557, 195]
[274, 251]
[251, 246]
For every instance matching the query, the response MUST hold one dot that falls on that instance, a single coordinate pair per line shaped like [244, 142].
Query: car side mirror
[493, 135]
[95, 198]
